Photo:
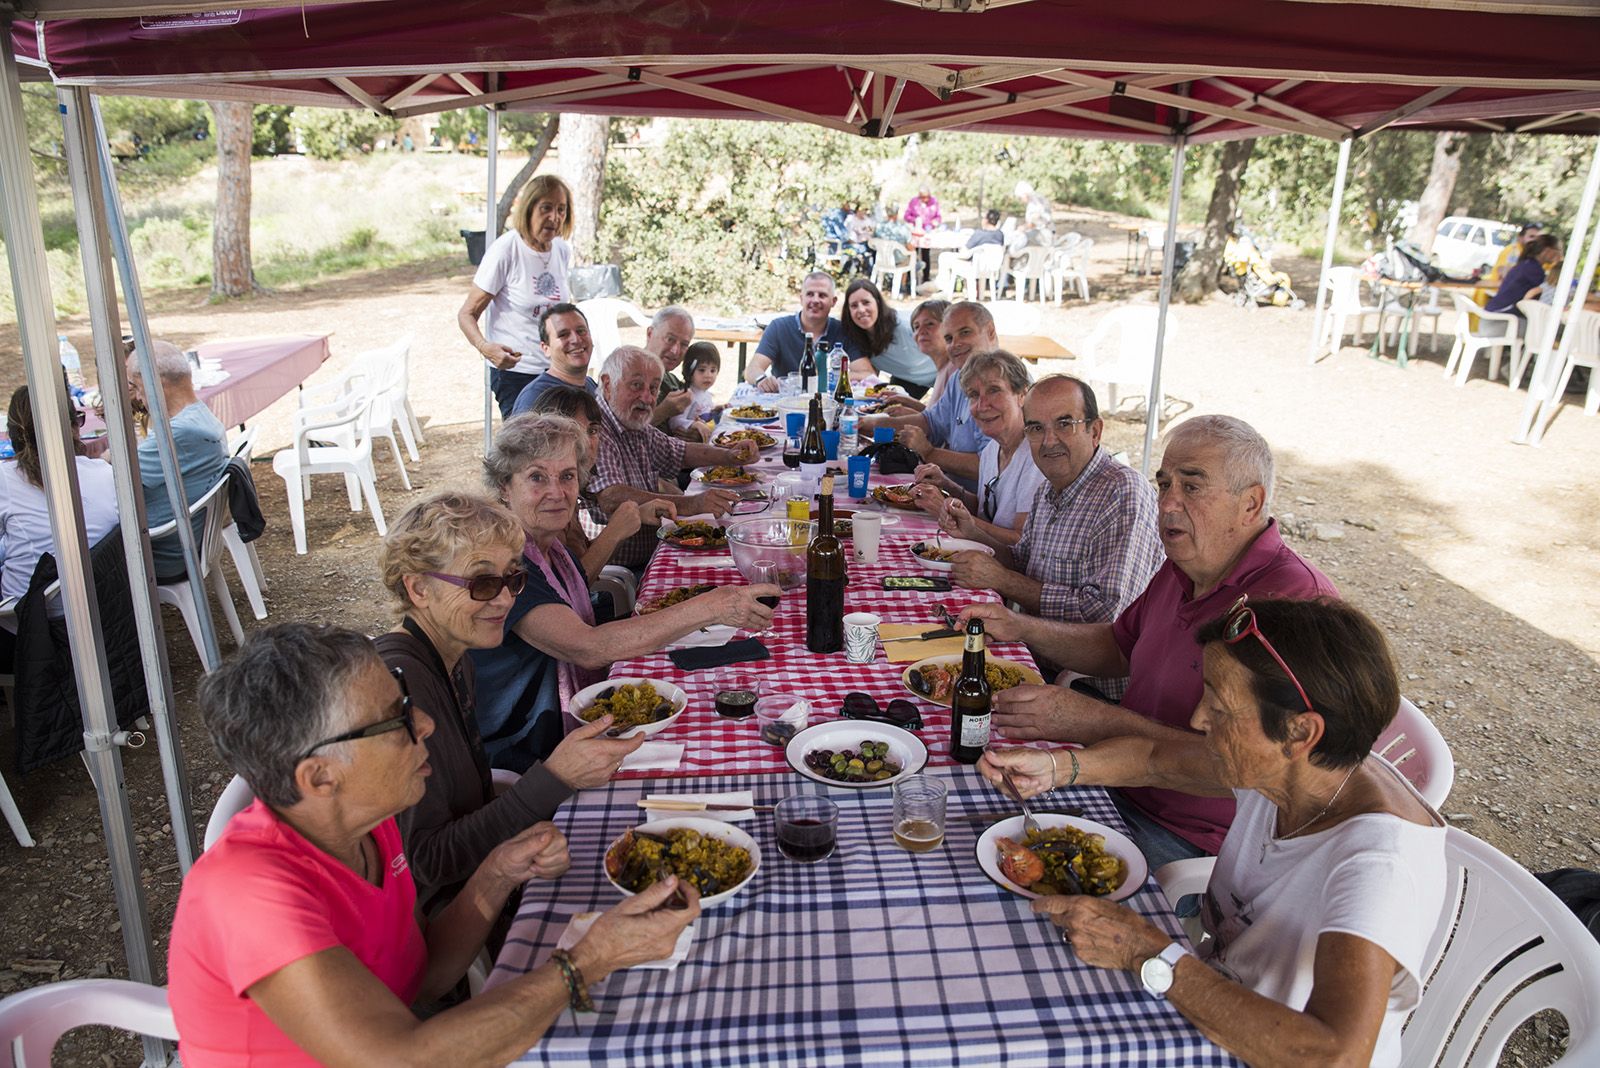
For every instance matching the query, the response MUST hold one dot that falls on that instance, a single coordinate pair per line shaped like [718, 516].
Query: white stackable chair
[181, 595]
[234, 799]
[1465, 351]
[297, 463]
[983, 267]
[1344, 302]
[1585, 352]
[1032, 265]
[1538, 314]
[622, 584]
[8, 804]
[1121, 351]
[891, 264]
[604, 315]
[1070, 266]
[1155, 245]
[1431, 311]
[1419, 752]
[383, 375]
[33, 1021]
[245, 561]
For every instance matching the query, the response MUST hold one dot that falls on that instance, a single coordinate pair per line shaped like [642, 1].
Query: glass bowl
[767, 539]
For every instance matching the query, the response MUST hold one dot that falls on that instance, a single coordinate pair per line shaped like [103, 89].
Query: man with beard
[564, 332]
[635, 457]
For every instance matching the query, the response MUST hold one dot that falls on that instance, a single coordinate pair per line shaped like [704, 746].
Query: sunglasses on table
[1240, 623]
[402, 718]
[899, 712]
[485, 587]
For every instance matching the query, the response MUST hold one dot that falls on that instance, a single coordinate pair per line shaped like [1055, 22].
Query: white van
[1463, 243]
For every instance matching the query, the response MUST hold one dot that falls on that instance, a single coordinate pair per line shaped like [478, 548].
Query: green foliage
[167, 250]
[970, 169]
[331, 133]
[154, 120]
[518, 129]
[273, 130]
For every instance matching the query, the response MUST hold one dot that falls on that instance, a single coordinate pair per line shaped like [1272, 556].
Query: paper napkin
[732, 797]
[579, 926]
[654, 756]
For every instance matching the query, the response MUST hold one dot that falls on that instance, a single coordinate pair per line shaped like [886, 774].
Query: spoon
[1029, 824]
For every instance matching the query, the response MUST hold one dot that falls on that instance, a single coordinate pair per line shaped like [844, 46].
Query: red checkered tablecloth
[715, 745]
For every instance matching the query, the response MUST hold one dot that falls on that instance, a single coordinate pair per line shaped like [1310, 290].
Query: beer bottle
[969, 701]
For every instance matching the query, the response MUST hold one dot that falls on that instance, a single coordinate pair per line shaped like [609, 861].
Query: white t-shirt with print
[1375, 876]
[522, 283]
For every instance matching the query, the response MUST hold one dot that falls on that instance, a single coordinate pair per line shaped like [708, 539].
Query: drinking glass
[737, 692]
[919, 804]
[807, 827]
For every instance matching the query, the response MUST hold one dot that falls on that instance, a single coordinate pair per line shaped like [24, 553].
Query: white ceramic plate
[586, 697]
[699, 475]
[954, 545]
[719, 439]
[752, 420]
[711, 828]
[905, 749]
[1116, 842]
[953, 662]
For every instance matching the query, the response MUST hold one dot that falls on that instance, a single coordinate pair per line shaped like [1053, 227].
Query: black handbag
[893, 457]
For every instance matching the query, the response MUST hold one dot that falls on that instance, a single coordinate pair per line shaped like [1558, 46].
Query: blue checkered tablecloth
[873, 956]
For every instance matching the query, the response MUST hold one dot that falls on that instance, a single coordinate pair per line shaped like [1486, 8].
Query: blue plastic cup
[830, 443]
[795, 422]
[883, 433]
[860, 468]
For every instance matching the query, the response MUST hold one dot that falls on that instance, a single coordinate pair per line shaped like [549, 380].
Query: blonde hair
[436, 530]
[539, 187]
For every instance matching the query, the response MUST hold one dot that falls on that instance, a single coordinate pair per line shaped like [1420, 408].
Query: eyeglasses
[402, 718]
[899, 713]
[1239, 623]
[1064, 427]
[989, 502]
[485, 587]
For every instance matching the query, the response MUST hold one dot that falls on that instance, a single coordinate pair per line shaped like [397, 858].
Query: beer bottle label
[975, 642]
[974, 731]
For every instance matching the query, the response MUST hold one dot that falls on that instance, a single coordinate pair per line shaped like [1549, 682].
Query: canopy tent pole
[80, 124]
[30, 281]
[491, 230]
[1335, 207]
[1546, 369]
[1152, 418]
[1547, 411]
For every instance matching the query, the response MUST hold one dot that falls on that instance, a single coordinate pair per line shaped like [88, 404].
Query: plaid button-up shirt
[637, 458]
[1092, 546]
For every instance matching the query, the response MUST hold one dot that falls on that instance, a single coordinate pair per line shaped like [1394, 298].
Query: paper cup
[861, 637]
[865, 530]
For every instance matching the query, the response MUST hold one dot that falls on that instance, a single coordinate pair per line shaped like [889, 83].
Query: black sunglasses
[485, 587]
[401, 718]
[900, 712]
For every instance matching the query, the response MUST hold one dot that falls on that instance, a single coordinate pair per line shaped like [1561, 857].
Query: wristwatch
[1156, 973]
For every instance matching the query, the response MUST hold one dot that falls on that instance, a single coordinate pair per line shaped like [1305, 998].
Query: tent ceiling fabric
[1139, 70]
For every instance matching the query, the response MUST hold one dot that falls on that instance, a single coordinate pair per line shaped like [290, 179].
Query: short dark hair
[1091, 405]
[992, 217]
[568, 401]
[700, 354]
[1340, 657]
[279, 695]
[1541, 244]
[564, 308]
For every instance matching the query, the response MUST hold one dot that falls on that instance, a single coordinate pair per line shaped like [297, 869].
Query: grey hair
[820, 274]
[170, 363]
[529, 438]
[671, 311]
[1012, 371]
[981, 317]
[1247, 456]
[283, 692]
[624, 357]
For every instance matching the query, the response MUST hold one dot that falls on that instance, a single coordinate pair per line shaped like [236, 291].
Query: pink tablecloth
[722, 746]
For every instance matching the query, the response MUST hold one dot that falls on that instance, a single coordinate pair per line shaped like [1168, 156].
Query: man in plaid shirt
[636, 457]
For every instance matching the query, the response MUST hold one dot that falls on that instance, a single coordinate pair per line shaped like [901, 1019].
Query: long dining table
[873, 956]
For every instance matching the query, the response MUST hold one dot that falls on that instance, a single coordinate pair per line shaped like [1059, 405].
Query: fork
[1029, 824]
[944, 614]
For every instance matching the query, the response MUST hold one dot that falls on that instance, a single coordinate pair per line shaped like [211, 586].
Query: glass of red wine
[736, 693]
[808, 827]
[766, 571]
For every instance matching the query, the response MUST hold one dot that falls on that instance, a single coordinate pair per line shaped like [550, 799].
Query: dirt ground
[1481, 559]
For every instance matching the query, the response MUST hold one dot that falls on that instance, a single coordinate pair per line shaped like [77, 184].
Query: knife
[927, 635]
[689, 805]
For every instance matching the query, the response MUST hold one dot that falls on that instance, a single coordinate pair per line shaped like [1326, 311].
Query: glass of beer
[919, 813]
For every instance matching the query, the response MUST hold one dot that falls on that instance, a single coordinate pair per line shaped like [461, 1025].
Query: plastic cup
[866, 528]
[860, 468]
[861, 637]
[795, 423]
[830, 444]
[781, 716]
[883, 433]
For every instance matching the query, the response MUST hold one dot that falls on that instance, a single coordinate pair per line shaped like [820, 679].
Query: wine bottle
[969, 701]
[825, 576]
[813, 457]
[808, 364]
[841, 388]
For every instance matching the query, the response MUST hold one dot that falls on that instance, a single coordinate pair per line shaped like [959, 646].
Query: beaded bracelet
[577, 989]
[1075, 769]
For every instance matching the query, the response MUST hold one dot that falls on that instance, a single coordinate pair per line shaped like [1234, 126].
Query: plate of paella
[1064, 855]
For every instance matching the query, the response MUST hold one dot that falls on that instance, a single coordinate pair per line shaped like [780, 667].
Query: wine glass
[766, 571]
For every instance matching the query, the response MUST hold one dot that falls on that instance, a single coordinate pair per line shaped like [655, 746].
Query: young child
[701, 365]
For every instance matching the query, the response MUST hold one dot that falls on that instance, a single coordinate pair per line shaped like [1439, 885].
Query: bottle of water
[71, 361]
[849, 441]
[838, 366]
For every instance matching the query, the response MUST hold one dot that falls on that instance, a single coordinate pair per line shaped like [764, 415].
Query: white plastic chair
[622, 584]
[212, 509]
[1419, 752]
[604, 315]
[1430, 311]
[1032, 265]
[1070, 267]
[982, 267]
[1585, 352]
[1013, 317]
[1121, 351]
[1465, 351]
[1155, 244]
[246, 564]
[1538, 314]
[234, 799]
[33, 1021]
[891, 264]
[383, 375]
[296, 464]
[1344, 301]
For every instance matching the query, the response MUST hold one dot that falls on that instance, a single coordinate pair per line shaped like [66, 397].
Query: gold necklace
[1269, 841]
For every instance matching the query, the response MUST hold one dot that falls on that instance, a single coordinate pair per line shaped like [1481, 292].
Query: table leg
[744, 349]
[1405, 332]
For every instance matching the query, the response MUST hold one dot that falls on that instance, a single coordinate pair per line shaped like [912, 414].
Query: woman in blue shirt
[1522, 282]
[883, 340]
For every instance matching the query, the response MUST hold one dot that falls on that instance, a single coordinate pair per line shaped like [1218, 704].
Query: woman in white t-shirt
[522, 275]
[994, 383]
[1331, 879]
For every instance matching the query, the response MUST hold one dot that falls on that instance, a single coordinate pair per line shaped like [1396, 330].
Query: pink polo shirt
[262, 898]
[1156, 634]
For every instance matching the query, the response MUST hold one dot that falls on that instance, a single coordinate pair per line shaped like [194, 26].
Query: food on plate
[883, 388]
[639, 860]
[677, 596]
[727, 475]
[935, 681]
[697, 534]
[1061, 860]
[895, 496]
[632, 704]
[762, 439]
[937, 554]
[868, 763]
[842, 528]
[753, 411]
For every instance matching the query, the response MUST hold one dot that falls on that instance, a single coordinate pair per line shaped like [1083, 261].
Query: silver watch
[1156, 973]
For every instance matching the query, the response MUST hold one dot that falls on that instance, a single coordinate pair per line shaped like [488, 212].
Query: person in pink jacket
[922, 212]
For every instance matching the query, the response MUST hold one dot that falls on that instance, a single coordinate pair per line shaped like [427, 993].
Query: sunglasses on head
[485, 587]
[899, 712]
[1240, 623]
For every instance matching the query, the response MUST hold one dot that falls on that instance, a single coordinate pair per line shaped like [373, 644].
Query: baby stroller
[1249, 273]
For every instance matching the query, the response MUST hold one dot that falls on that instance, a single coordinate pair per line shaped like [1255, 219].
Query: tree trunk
[1434, 204]
[1199, 276]
[232, 274]
[582, 165]
[536, 156]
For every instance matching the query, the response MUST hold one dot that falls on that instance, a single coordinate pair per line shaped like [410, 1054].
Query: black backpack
[1579, 890]
[892, 457]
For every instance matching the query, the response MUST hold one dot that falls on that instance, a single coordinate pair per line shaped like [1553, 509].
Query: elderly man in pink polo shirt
[1215, 495]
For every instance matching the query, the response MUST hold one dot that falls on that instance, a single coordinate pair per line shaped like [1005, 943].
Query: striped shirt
[637, 458]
